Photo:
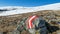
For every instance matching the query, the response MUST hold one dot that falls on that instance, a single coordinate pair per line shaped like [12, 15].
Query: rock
[1, 32]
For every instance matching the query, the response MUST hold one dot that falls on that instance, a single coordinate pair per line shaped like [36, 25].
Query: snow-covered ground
[19, 10]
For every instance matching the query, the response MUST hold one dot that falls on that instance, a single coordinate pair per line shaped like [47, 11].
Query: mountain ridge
[21, 10]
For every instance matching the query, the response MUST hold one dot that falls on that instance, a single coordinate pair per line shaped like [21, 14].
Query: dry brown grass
[5, 20]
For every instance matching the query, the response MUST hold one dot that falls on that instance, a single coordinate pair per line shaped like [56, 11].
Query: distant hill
[11, 10]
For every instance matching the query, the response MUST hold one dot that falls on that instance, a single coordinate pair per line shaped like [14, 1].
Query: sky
[27, 3]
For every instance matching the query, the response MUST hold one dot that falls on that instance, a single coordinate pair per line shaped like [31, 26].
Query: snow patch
[20, 10]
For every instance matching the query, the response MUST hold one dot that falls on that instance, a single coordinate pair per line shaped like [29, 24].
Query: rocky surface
[9, 23]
